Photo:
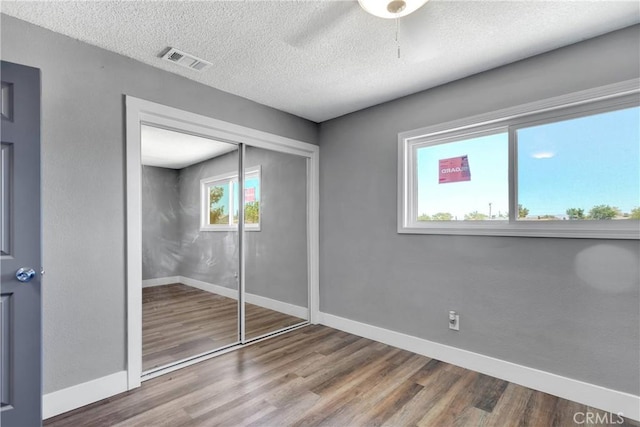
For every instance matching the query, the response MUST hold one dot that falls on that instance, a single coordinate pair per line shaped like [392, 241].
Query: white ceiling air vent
[186, 60]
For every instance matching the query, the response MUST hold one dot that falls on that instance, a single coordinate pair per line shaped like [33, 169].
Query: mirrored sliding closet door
[190, 246]
[276, 277]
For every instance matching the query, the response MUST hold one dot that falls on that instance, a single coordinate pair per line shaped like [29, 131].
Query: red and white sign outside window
[454, 169]
[249, 195]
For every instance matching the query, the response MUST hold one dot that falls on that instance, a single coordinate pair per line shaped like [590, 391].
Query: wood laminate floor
[318, 376]
[180, 321]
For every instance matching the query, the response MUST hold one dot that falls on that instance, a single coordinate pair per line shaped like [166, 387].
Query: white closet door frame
[139, 111]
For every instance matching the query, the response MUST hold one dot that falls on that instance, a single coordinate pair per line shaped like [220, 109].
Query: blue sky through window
[580, 163]
[224, 201]
[249, 182]
[253, 182]
[577, 163]
[488, 163]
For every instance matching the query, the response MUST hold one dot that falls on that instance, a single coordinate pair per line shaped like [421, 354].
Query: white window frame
[232, 180]
[579, 104]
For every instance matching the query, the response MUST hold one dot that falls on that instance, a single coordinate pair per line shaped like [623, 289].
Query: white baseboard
[210, 287]
[588, 394]
[271, 304]
[160, 281]
[83, 394]
[275, 305]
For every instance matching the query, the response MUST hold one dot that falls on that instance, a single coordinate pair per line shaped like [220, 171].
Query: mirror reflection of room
[276, 267]
[191, 251]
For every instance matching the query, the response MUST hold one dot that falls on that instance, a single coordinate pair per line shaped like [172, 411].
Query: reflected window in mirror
[220, 201]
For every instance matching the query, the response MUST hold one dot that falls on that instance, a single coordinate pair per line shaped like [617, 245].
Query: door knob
[25, 274]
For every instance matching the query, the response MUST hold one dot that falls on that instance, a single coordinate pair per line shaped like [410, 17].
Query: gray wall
[83, 186]
[210, 256]
[276, 256]
[541, 302]
[570, 307]
[160, 223]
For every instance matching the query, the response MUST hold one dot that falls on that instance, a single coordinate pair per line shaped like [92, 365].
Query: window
[584, 168]
[567, 171]
[464, 179]
[220, 201]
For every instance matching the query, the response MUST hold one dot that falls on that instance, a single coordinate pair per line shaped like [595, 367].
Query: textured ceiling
[175, 150]
[323, 59]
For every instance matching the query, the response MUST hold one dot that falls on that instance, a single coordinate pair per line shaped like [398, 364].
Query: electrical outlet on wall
[454, 321]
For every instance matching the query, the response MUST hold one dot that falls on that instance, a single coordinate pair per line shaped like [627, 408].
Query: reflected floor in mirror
[180, 321]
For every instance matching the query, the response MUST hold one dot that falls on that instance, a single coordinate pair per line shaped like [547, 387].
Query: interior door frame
[140, 111]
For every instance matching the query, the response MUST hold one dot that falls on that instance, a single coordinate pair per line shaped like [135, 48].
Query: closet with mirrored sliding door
[226, 241]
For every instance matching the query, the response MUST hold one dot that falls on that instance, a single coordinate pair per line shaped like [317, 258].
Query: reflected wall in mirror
[191, 201]
[190, 285]
[276, 267]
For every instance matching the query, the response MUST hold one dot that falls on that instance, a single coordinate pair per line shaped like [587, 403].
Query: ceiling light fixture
[391, 9]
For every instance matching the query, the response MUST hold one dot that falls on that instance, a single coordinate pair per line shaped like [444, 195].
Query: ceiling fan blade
[418, 31]
[323, 22]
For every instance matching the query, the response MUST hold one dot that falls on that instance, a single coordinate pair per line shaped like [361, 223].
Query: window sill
[226, 228]
[592, 230]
